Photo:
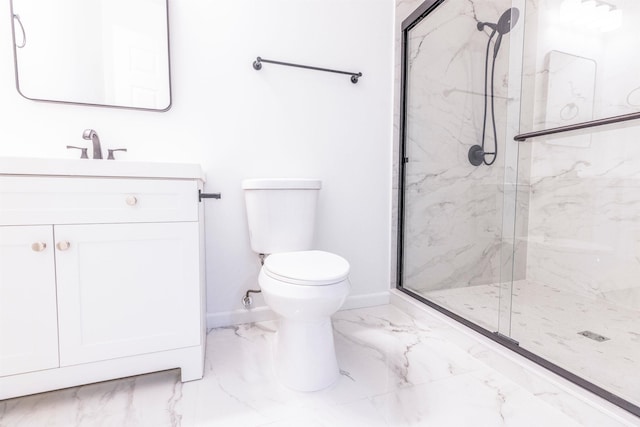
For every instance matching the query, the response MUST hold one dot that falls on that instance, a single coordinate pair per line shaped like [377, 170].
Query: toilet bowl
[304, 289]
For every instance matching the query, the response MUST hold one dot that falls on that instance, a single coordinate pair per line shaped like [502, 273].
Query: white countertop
[99, 168]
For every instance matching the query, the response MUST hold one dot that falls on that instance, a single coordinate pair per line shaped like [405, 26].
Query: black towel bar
[257, 65]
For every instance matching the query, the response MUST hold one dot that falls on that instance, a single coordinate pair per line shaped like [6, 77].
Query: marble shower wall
[584, 190]
[453, 210]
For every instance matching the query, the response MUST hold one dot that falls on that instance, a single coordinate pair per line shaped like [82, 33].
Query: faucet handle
[83, 150]
[112, 150]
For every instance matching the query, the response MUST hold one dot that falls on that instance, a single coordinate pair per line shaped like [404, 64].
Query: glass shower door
[451, 210]
[541, 242]
[578, 303]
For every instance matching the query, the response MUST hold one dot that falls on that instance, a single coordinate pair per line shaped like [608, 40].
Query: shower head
[507, 21]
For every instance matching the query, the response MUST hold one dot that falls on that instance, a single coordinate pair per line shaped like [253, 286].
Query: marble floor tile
[546, 320]
[396, 371]
[488, 399]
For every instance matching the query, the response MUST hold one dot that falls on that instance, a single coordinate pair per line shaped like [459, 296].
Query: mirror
[93, 52]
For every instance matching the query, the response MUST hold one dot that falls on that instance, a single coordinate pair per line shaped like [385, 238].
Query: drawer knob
[38, 246]
[131, 200]
[63, 245]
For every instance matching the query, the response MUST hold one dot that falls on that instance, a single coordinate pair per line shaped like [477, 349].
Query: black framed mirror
[111, 53]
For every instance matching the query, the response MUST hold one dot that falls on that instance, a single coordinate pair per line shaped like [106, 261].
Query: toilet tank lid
[281, 183]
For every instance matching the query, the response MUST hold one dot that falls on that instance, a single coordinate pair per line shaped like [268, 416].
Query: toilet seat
[306, 268]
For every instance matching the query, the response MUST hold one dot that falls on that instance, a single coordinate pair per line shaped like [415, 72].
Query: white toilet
[303, 287]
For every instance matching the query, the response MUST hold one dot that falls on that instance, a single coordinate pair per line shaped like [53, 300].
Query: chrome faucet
[90, 134]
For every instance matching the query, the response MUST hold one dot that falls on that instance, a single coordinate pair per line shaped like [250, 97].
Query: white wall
[239, 123]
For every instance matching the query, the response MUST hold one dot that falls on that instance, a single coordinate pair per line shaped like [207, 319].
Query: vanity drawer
[64, 200]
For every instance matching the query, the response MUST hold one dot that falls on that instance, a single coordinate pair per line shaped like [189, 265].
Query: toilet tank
[281, 213]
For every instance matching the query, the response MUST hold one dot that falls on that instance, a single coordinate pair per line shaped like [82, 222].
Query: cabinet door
[28, 322]
[126, 289]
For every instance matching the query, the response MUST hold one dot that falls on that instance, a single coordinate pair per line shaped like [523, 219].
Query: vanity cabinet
[28, 315]
[100, 277]
[123, 289]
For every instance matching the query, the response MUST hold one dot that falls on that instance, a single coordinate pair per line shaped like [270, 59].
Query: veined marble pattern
[584, 215]
[546, 321]
[584, 209]
[453, 210]
[396, 371]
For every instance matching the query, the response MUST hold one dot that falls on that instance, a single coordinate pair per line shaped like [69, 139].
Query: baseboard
[263, 313]
[366, 300]
[238, 317]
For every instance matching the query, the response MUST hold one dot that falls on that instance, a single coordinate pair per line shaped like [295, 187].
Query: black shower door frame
[427, 7]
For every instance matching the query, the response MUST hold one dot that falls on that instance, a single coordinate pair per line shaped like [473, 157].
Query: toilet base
[305, 354]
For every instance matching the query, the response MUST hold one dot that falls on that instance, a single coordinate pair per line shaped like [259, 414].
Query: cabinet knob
[63, 245]
[38, 246]
[131, 200]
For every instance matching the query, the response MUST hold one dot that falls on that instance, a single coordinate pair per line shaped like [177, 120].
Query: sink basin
[98, 168]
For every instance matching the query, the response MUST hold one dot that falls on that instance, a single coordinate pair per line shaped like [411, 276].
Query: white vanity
[101, 272]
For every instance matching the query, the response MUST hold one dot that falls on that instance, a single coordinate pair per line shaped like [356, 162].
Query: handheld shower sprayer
[507, 21]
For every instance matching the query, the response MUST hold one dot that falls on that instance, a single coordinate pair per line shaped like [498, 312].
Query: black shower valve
[476, 155]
